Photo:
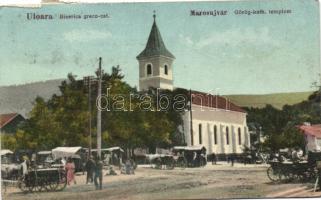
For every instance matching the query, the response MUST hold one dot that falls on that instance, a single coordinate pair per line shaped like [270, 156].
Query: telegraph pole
[89, 80]
[99, 113]
[191, 117]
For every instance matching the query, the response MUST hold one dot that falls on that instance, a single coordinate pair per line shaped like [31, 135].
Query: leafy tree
[280, 126]
[63, 119]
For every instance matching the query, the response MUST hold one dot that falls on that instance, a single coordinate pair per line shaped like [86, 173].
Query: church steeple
[155, 62]
[155, 45]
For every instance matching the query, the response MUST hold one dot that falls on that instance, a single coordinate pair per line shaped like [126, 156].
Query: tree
[63, 119]
[280, 126]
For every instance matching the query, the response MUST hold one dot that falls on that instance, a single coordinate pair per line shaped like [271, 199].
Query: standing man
[213, 159]
[90, 169]
[98, 173]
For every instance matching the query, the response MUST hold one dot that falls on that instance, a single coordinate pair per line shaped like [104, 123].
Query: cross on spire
[154, 15]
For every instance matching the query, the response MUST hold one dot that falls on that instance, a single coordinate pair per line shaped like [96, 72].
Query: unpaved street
[212, 181]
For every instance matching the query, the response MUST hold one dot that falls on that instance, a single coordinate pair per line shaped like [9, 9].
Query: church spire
[155, 45]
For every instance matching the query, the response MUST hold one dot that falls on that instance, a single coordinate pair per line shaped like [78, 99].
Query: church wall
[222, 119]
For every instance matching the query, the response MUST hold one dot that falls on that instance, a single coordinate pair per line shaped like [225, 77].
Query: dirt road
[212, 181]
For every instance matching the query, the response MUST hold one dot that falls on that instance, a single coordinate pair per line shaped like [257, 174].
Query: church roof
[155, 45]
[214, 101]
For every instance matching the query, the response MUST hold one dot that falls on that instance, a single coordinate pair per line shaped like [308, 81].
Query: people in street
[194, 159]
[319, 174]
[90, 169]
[24, 167]
[111, 172]
[63, 161]
[232, 157]
[70, 169]
[107, 159]
[98, 173]
[214, 158]
[128, 167]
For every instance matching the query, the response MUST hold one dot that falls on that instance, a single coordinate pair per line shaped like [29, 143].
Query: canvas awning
[44, 152]
[61, 152]
[191, 148]
[110, 149]
[5, 151]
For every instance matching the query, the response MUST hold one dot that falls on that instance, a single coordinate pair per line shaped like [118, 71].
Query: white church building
[212, 121]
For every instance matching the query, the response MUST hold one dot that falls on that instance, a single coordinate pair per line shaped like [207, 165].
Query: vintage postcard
[160, 100]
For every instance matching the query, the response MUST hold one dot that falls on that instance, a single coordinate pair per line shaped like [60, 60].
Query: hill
[278, 100]
[20, 98]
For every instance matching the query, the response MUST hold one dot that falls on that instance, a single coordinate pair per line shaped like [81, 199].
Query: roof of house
[155, 45]
[214, 101]
[7, 118]
[313, 130]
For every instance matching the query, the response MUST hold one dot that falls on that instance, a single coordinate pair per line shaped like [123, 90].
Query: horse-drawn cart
[287, 171]
[38, 180]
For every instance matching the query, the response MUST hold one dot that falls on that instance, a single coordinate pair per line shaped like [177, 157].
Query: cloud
[233, 38]
[86, 35]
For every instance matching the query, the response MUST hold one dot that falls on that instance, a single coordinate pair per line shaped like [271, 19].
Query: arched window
[200, 133]
[149, 69]
[215, 134]
[239, 134]
[227, 136]
[165, 69]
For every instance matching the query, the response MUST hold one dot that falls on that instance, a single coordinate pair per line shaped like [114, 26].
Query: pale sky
[239, 54]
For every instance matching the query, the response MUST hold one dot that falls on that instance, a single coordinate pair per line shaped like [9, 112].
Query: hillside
[278, 100]
[19, 98]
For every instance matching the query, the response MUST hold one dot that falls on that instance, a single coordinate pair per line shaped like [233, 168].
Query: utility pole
[89, 80]
[99, 113]
[191, 117]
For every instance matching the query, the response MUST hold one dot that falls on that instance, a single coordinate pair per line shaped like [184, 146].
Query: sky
[232, 54]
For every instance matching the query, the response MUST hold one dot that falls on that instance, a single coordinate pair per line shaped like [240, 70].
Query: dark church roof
[155, 45]
[214, 101]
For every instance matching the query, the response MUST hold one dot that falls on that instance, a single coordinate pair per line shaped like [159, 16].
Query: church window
[239, 134]
[200, 133]
[215, 134]
[165, 69]
[149, 69]
[227, 136]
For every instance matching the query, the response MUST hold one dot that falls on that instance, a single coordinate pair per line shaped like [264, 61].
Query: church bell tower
[155, 63]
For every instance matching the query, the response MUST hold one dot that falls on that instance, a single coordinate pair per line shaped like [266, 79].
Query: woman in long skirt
[70, 169]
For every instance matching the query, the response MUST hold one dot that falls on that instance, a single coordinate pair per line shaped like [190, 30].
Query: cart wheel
[170, 165]
[273, 174]
[48, 185]
[158, 164]
[22, 185]
[181, 163]
[62, 181]
[202, 162]
[52, 186]
[285, 176]
[38, 185]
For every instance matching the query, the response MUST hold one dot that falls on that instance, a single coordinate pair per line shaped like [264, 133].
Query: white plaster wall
[222, 119]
